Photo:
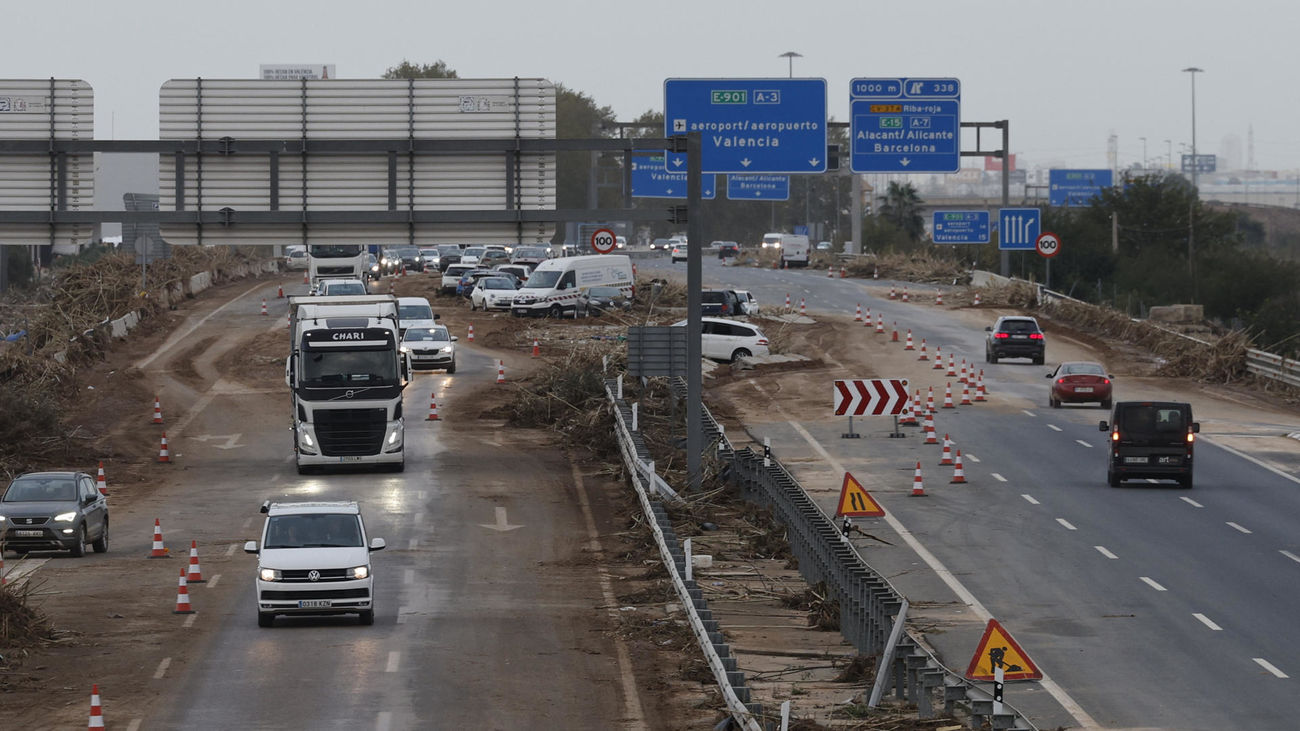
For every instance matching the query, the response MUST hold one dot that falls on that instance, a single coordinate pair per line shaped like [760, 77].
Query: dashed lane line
[1238, 527]
[1270, 667]
[385, 721]
[162, 668]
[1291, 556]
[1054, 427]
[1027, 412]
[1030, 498]
[998, 477]
[189, 621]
[212, 583]
[394, 659]
[1151, 583]
[230, 551]
[1207, 622]
[1085, 444]
[973, 458]
[1103, 551]
[1191, 502]
[1066, 524]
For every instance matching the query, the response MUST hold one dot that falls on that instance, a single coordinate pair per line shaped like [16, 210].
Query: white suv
[729, 340]
[314, 559]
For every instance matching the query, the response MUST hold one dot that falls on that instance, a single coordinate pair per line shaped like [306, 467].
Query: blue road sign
[1076, 188]
[904, 125]
[1202, 163]
[751, 125]
[651, 180]
[758, 187]
[1018, 228]
[960, 227]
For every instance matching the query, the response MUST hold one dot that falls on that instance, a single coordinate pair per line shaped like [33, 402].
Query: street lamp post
[791, 56]
[1191, 216]
[1144, 152]
[1169, 159]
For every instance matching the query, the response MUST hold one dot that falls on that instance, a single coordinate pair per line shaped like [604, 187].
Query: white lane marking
[394, 658]
[1207, 622]
[408, 576]
[189, 621]
[1291, 556]
[1243, 530]
[1066, 523]
[135, 724]
[162, 668]
[1151, 583]
[1029, 413]
[1054, 427]
[230, 551]
[1191, 502]
[1259, 462]
[632, 710]
[212, 583]
[410, 546]
[385, 721]
[180, 337]
[1080, 441]
[973, 458]
[1030, 498]
[401, 614]
[1102, 550]
[1071, 706]
[1270, 667]
[998, 477]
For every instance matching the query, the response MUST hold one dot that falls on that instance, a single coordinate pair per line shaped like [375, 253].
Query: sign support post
[850, 434]
[694, 325]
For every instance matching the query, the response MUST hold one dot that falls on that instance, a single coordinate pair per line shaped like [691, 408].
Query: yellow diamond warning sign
[998, 647]
[855, 502]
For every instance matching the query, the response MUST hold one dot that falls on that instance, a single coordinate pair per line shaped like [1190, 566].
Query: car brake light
[1190, 437]
[1001, 336]
[1035, 336]
[763, 341]
[1106, 381]
[1060, 380]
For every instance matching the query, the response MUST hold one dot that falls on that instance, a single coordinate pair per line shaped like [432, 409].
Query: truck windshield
[349, 368]
[414, 312]
[335, 251]
[313, 530]
[544, 280]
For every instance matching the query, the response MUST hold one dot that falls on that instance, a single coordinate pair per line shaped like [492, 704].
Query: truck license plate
[29, 533]
[350, 458]
[1135, 460]
[314, 604]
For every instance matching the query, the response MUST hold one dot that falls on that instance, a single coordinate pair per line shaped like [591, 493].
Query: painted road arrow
[877, 396]
[502, 525]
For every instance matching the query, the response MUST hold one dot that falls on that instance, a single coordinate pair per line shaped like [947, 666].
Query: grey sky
[1066, 74]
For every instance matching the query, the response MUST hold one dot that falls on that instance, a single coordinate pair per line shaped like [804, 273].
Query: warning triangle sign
[996, 646]
[855, 502]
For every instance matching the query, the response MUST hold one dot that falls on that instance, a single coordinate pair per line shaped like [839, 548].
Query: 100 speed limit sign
[1048, 244]
[602, 240]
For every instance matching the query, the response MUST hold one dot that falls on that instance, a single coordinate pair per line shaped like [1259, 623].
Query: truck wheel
[556, 311]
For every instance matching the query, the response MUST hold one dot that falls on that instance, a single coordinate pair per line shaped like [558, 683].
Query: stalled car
[53, 511]
[492, 293]
[596, 300]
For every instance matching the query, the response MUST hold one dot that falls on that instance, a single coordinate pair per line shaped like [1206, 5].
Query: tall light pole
[1144, 152]
[1169, 159]
[791, 56]
[1196, 195]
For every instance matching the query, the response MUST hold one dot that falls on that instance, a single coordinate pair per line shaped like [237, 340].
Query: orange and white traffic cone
[952, 366]
[470, 337]
[96, 709]
[195, 575]
[880, 326]
[928, 429]
[830, 272]
[929, 400]
[867, 323]
[964, 377]
[947, 397]
[923, 356]
[100, 483]
[157, 410]
[537, 350]
[279, 292]
[305, 280]
[980, 393]
[946, 458]
[918, 486]
[977, 299]
[843, 273]
[433, 408]
[501, 371]
[158, 550]
[803, 306]
[163, 454]
[938, 358]
[264, 312]
[787, 301]
[916, 404]
[894, 337]
[905, 294]
[182, 597]
[965, 395]
[938, 298]
[909, 345]
[958, 475]
[892, 294]
[858, 316]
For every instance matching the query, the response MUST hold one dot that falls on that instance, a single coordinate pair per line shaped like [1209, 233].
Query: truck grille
[360, 593]
[344, 432]
[345, 270]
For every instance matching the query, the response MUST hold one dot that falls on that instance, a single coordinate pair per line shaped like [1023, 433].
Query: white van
[553, 287]
[794, 250]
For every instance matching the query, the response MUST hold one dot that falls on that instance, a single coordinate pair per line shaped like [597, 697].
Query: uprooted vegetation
[22, 628]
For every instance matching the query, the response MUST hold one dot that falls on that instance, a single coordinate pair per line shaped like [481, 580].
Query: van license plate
[350, 458]
[29, 533]
[314, 604]
[1135, 460]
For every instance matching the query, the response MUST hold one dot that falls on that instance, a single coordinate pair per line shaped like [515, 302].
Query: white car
[471, 255]
[296, 259]
[679, 252]
[414, 312]
[729, 340]
[451, 277]
[314, 559]
[345, 287]
[430, 346]
[492, 293]
[748, 304]
[620, 242]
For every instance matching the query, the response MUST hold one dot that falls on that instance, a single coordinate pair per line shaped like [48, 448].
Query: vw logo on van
[313, 575]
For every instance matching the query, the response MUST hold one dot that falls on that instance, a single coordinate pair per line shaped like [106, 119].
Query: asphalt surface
[1147, 606]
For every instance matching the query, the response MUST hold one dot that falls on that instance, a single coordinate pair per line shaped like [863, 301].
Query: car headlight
[269, 575]
[2, 519]
[444, 350]
[65, 517]
[359, 572]
[405, 349]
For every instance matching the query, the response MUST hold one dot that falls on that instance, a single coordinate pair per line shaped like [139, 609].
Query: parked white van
[553, 288]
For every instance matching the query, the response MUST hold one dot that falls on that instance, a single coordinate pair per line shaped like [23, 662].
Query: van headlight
[358, 572]
[269, 575]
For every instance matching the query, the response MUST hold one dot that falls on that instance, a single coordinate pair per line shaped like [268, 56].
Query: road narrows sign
[998, 647]
[603, 241]
[856, 502]
[877, 397]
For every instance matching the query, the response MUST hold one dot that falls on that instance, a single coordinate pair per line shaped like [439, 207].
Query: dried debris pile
[21, 626]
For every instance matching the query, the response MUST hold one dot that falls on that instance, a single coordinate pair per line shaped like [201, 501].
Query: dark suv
[1015, 337]
[1150, 439]
[720, 302]
[53, 511]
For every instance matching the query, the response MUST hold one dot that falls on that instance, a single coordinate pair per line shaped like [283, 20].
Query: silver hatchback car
[53, 511]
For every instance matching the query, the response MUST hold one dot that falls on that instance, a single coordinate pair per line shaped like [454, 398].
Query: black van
[1150, 439]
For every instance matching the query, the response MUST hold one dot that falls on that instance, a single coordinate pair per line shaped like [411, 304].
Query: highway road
[1148, 606]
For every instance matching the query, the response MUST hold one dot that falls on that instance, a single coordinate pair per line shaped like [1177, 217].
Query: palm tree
[901, 206]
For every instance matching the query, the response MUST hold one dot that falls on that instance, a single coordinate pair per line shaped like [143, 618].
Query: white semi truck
[336, 261]
[346, 374]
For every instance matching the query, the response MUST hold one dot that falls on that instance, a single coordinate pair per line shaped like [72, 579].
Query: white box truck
[346, 375]
[553, 288]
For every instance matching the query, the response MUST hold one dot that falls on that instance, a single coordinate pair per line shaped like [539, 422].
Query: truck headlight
[359, 572]
[65, 517]
[269, 575]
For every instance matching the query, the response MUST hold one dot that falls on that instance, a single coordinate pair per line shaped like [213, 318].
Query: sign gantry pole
[694, 326]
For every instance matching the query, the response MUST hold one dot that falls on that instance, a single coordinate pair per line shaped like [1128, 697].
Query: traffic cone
[390, 286]
[918, 486]
[894, 337]
[904, 294]
[858, 316]
[159, 550]
[96, 709]
[958, 475]
[909, 345]
[501, 371]
[965, 395]
[947, 397]
[163, 454]
[100, 482]
[279, 292]
[923, 356]
[195, 575]
[785, 264]
[843, 273]
[892, 294]
[916, 404]
[977, 299]
[980, 393]
[787, 301]
[830, 272]
[182, 597]
[963, 378]
[157, 410]
[867, 322]
[803, 306]
[470, 337]
[952, 366]
[938, 358]
[433, 408]
[264, 312]
[946, 459]
[929, 400]
[938, 298]
[928, 428]
[537, 350]
[776, 264]
[907, 418]
[305, 280]
[880, 326]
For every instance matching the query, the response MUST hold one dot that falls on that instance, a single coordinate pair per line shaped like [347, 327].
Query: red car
[1080, 382]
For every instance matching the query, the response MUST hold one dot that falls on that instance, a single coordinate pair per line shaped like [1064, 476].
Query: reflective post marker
[686, 547]
[634, 410]
[767, 452]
